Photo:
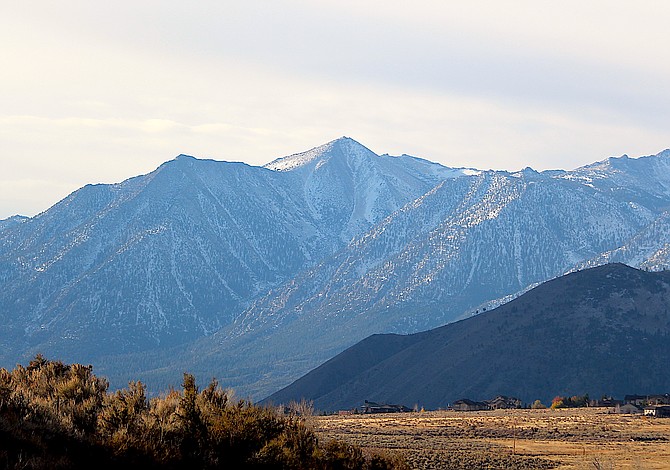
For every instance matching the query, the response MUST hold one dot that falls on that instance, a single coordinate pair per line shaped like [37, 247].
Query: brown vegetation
[576, 438]
[54, 415]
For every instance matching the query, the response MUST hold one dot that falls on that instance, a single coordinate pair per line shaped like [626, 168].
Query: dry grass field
[586, 438]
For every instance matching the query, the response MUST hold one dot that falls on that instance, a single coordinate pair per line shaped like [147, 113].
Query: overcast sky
[96, 91]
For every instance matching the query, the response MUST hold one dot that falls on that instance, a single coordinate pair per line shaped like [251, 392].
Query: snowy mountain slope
[648, 249]
[258, 274]
[467, 241]
[169, 256]
[164, 257]
[347, 185]
[12, 222]
[643, 181]
[471, 238]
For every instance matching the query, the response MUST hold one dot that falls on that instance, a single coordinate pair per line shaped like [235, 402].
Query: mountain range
[600, 331]
[256, 275]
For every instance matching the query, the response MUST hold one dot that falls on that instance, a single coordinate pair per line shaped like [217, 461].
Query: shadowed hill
[601, 330]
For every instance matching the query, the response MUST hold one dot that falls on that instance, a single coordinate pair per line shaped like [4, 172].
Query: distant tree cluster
[58, 416]
[577, 401]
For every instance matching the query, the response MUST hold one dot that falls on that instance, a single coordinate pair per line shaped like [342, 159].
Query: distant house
[658, 399]
[501, 402]
[648, 400]
[468, 405]
[657, 411]
[628, 409]
[638, 400]
[372, 407]
[608, 402]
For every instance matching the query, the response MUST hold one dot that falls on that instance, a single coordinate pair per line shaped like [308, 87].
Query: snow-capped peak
[344, 146]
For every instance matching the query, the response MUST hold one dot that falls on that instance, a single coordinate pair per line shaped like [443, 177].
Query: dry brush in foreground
[59, 416]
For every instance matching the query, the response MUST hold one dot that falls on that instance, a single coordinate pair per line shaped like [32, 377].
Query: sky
[97, 92]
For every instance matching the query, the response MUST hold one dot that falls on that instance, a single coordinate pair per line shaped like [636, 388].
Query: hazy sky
[96, 91]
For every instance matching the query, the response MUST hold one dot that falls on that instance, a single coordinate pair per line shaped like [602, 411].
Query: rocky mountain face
[11, 222]
[257, 274]
[648, 249]
[465, 242]
[604, 330]
[173, 255]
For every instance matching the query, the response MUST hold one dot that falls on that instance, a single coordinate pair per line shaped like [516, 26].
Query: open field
[585, 438]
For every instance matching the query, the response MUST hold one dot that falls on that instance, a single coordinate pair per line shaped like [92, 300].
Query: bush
[537, 405]
[576, 401]
[54, 415]
[558, 402]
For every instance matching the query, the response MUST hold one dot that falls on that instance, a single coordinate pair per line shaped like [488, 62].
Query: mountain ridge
[217, 267]
[244, 228]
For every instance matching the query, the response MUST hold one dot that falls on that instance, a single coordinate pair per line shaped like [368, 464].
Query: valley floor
[582, 438]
